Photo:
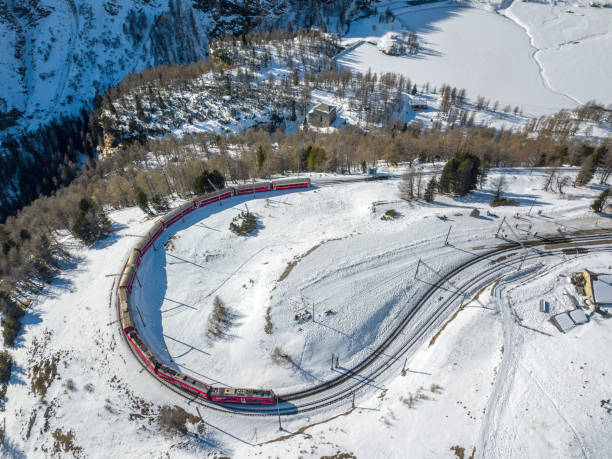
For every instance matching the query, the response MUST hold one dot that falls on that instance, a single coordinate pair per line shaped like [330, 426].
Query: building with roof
[598, 288]
[322, 115]
[563, 322]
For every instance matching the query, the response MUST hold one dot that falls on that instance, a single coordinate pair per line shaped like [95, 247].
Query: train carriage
[124, 311]
[214, 197]
[183, 381]
[127, 278]
[134, 258]
[246, 396]
[178, 213]
[251, 188]
[141, 348]
[289, 184]
[145, 242]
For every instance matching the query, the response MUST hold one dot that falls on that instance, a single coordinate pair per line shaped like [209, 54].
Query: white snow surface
[500, 377]
[542, 59]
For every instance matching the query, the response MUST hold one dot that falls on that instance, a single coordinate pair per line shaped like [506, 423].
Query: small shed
[598, 288]
[322, 115]
[578, 316]
[563, 322]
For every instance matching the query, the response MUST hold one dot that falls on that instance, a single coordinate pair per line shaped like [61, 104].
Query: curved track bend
[397, 344]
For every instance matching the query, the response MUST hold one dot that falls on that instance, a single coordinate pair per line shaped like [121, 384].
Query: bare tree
[548, 181]
[498, 185]
[406, 186]
[561, 181]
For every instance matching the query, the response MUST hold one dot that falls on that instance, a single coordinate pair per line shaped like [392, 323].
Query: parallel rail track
[354, 380]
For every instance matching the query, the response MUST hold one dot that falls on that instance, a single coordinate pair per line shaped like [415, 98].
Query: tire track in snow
[498, 400]
[557, 409]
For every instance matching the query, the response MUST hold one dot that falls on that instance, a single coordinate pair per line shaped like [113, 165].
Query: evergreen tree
[208, 182]
[600, 202]
[293, 116]
[586, 170]
[430, 191]
[315, 157]
[91, 224]
[460, 174]
[142, 201]
[414, 90]
[484, 173]
[261, 157]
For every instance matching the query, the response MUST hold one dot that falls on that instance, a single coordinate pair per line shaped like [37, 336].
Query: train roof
[230, 391]
[292, 180]
[252, 185]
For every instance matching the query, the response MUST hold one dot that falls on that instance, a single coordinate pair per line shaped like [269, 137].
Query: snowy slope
[110, 405]
[60, 54]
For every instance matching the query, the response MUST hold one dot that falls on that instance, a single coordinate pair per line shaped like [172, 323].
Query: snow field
[359, 277]
[545, 61]
[573, 43]
[116, 415]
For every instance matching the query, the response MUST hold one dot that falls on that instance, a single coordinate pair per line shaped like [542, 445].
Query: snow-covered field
[573, 45]
[531, 61]
[364, 274]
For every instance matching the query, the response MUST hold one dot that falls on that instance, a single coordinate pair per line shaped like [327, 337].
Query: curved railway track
[388, 352]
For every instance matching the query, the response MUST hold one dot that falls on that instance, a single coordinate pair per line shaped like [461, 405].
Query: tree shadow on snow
[111, 238]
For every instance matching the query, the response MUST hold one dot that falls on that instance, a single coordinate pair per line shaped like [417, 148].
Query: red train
[162, 371]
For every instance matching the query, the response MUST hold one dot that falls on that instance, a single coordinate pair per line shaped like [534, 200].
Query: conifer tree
[460, 174]
[91, 224]
[587, 169]
[261, 157]
[600, 202]
[142, 201]
[430, 191]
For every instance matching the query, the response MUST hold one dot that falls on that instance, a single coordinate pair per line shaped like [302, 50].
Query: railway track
[395, 345]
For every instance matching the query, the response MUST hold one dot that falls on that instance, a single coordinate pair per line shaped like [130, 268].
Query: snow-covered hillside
[76, 389]
[58, 54]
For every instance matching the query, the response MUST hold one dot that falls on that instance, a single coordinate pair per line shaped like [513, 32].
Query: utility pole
[337, 361]
[417, 270]
[353, 399]
[138, 310]
[522, 261]
[532, 204]
[448, 234]
[280, 426]
[332, 362]
[136, 275]
[404, 367]
[500, 226]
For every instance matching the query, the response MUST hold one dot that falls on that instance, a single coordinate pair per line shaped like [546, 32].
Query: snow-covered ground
[573, 43]
[531, 61]
[365, 276]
